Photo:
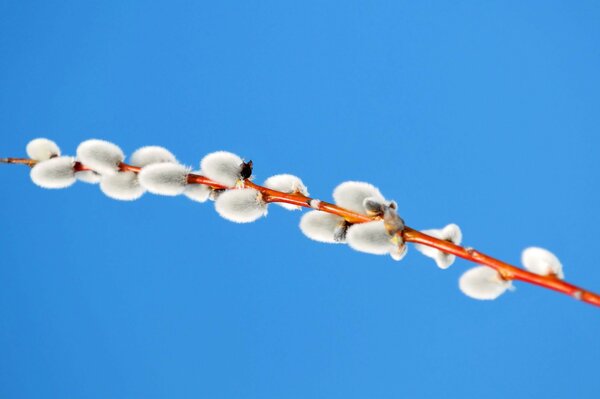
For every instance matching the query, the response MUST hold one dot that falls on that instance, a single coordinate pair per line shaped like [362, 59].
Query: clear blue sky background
[481, 114]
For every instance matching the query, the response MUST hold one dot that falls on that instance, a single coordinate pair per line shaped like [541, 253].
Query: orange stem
[21, 161]
[506, 271]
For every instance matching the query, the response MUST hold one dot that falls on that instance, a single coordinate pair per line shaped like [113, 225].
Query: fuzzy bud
[42, 149]
[197, 192]
[483, 283]
[288, 184]
[151, 154]
[370, 237]
[399, 252]
[222, 167]
[315, 203]
[352, 194]
[164, 178]
[451, 233]
[88, 176]
[322, 226]
[241, 205]
[122, 186]
[214, 193]
[101, 156]
[541, 261]
[56, 172]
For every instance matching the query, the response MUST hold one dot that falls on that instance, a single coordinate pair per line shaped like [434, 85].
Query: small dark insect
[246, 171]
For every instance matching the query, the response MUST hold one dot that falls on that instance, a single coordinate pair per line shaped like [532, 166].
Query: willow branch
[506, 271]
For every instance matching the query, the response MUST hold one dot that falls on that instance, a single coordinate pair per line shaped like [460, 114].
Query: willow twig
[507, 271]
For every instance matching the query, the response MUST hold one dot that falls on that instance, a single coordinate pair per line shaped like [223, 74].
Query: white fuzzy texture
[54, 173]
[377, 206]
[151, 154]
[320, 226]
[42, 149]
[483, 283]
[286, 183]
[164, 178]
[122, 186]
[197, 192]
[241, 205]
[541, 261]
[398, 253]
[289, 184]
[451, 233]
[351, 195]
[88, 176]
[222, 167]
[99, 155]
[370, 237]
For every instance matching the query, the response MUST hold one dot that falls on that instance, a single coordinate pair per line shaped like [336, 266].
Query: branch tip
[21, 161]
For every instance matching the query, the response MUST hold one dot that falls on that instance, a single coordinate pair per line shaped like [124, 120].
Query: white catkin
[444, 260]
[88, 176]
[56, 172]
[123, 186]
[151, 154]
[164, 178]
[320, 226]
[42, 149]
[541, 261]
[197, 192]
[483, 283]
[288, 184]
[370, 237]
[450, 233]
[223, 167]
[99, 155]
[351, 195]
[398, 253]
[241, 205]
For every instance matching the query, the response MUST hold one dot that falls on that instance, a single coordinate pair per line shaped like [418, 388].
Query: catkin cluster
[157, 171]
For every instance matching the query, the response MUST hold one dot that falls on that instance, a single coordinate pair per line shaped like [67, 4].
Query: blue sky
[485, 115]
